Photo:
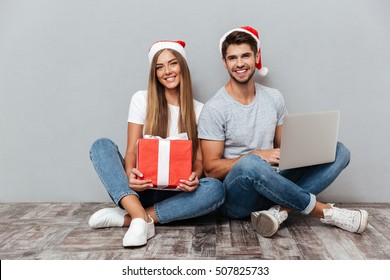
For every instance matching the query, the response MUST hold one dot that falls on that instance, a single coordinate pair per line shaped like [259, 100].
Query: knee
[99, 145]
[214, 188]
[343, 155]
[251, 166]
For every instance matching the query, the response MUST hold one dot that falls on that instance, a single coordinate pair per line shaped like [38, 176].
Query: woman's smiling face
[168, 70]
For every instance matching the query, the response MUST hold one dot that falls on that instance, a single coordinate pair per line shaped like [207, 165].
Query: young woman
[167, 108]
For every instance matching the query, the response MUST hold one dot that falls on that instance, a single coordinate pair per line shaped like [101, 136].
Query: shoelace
[276, 213]
[343, 217]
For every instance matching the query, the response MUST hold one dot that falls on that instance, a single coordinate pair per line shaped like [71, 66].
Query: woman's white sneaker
[108, 217]
[139, 232]
[351, 220]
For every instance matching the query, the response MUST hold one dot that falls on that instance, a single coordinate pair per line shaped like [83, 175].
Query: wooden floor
[60, 231]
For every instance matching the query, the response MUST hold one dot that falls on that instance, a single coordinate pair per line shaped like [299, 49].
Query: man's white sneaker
[139, 232]
[267, 222]
[108, 217]
[351, 220]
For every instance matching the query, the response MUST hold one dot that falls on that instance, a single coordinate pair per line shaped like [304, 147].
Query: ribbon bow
[180, 136]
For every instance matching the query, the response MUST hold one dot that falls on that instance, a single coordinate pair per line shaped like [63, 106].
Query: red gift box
[164, 161]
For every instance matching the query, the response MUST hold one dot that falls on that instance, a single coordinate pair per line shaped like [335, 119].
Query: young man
[240, 130]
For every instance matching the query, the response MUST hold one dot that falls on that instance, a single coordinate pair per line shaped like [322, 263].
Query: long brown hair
[157, 112]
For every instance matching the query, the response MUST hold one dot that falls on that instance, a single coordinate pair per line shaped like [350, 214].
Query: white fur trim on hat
[161, 45]
[263, 71]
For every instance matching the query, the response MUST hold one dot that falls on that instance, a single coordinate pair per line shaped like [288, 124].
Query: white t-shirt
[137, 111]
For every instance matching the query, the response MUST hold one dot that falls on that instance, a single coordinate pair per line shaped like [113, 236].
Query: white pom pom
[263, 71]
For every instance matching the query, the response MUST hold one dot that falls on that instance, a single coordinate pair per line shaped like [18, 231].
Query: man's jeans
[168, 205]
[253, 185]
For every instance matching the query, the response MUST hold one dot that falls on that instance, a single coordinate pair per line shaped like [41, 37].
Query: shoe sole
[134, 243]
[151, 233]
[264, 224]
[363, 221]
[137, 243]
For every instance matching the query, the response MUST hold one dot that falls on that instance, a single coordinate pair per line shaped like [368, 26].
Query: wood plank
[336, 244]
[60, 231]
[281, 246]
[307, 242]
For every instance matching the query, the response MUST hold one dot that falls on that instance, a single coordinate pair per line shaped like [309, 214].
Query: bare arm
[217, 167]
[278, 136]
[134, 132]
[213, 163]
[197, 166]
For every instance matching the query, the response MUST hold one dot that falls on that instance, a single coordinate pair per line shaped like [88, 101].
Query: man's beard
[242, 82]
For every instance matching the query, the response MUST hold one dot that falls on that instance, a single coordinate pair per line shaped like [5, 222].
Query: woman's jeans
[253, 185]
[168, 205]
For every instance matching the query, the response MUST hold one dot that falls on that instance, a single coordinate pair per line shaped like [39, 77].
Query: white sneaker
[351, 220]
[267, 222]
[139, 232]
[108, 217]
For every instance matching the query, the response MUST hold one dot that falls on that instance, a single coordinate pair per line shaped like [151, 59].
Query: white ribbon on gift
[180, 136]
[164, 150]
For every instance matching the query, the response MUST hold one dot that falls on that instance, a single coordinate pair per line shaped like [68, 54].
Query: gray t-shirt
[244, 128]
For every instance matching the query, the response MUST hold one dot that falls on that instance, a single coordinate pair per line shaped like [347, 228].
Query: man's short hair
[238, 38]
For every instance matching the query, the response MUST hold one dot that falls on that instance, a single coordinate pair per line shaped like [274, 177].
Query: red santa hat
[253, 32]
[167, 44]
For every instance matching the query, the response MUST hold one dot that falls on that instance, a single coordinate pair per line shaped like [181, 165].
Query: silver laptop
[309, 139]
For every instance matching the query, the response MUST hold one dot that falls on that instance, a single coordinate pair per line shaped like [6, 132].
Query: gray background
[68, 69]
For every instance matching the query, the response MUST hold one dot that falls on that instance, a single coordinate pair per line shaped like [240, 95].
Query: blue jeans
[168, 205]
[253, 185]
